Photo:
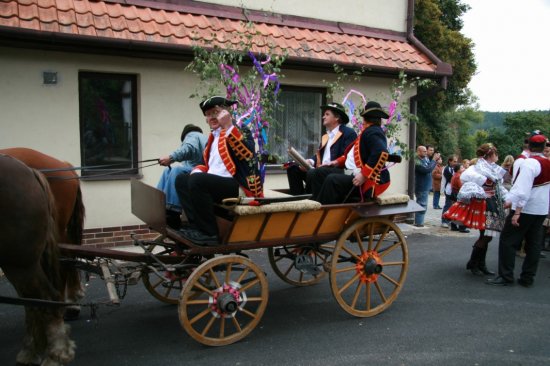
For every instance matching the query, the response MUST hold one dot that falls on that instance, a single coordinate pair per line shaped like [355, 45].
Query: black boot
[473, 263]
[482, 266]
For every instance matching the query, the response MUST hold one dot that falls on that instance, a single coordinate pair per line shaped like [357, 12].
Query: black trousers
[296, 179]
[316, 178]
[530, 228]
[338, 188]
[198, 192]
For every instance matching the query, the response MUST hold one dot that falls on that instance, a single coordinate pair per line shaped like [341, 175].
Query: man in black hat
[230, 164]
[333, 144]
[528, 199]
[365, 158]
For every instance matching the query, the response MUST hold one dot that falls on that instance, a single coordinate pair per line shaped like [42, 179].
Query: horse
[70, 212]
[29, 258]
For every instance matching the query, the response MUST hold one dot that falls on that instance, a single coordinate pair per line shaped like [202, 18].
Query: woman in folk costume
[480, 204]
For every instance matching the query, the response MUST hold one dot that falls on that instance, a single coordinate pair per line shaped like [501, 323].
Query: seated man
[333, 144]
[230, 164]
[365, 158]
[190, 155]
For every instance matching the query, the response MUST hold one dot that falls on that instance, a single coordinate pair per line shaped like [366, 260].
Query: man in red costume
[365, 159]
[230, 165]
[528, 199]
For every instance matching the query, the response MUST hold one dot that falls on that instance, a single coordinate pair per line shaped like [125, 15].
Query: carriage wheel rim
[364, 281]
[229, 307]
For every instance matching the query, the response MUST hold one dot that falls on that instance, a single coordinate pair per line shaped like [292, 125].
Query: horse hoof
[71, 314]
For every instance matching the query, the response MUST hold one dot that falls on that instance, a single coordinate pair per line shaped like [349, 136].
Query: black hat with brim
[374, 110]
[214, 102]
[338, 109]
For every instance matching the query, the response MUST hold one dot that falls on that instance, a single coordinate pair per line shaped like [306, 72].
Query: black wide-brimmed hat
[338, 109]
[189, 128]
[216, 101]
[374, 110]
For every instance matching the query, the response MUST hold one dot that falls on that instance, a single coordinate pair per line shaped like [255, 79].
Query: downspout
[442, 69]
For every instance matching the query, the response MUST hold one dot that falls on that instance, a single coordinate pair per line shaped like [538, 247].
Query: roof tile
[119, 20]
[84, 20]
[28, 12]
[8, 9]
[66, 18]
[47, 15]
[49, 26]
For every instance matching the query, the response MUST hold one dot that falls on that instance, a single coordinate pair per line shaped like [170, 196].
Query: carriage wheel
[223, 300]
[300, 265]
[164, 286]
[369, 266]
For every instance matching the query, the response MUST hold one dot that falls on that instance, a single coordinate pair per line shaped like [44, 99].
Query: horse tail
[75, 227]
[50, 256]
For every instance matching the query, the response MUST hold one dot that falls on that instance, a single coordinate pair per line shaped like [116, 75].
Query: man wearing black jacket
[333, 144]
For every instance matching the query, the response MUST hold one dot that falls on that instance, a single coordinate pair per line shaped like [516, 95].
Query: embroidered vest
[544, 176]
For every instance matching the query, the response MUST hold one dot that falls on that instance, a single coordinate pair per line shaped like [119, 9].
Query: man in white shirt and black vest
[528, 199]
[333, 144]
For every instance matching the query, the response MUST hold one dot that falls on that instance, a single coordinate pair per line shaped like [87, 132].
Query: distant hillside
[495, 119]
[492, 119]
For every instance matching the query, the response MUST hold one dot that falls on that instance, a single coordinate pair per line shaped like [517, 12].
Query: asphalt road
[443, 316]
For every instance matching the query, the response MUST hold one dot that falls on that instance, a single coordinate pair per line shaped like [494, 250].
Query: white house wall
[46, 118]
[384, 14]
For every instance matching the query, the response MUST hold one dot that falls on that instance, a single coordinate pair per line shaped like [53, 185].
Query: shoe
[525, 283]
[418, 225]
[445, 225]
[542, 255]
[498, 281]
[199, 238]
[454, 227]
[486, 271]
[463, 230]
[437, 208]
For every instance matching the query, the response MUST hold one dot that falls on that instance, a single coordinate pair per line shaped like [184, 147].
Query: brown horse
[29, 259]
[65, 187]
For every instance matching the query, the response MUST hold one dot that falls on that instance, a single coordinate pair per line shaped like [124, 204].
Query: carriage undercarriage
[222, 295]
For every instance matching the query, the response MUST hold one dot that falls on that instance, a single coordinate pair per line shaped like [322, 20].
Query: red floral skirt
[471, 215]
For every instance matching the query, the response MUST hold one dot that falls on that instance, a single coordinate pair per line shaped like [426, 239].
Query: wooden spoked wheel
[369, 266]
[164, 286]
[300, 265]
[223, 300]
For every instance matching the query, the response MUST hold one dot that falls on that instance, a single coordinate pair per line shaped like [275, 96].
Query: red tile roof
[169, 26]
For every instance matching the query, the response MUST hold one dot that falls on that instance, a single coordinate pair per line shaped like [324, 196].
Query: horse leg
[74, 291]
[46, 337]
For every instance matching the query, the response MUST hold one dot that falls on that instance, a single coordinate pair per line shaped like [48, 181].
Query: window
[108, 124]
[299, 122]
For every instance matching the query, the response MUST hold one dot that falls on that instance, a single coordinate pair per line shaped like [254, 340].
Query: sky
[512, 52]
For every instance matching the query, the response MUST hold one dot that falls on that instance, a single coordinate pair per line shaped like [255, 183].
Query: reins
[91, 167]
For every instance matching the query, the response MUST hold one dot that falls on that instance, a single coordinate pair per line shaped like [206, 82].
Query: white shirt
[350, 161]
[533, 200]
[518, 162]
[215, 162]
[326, 153]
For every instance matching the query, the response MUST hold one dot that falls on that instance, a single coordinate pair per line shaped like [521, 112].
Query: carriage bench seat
[294, 206]
[392, 199]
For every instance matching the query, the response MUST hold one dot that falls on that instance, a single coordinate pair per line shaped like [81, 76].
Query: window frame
[110, 174]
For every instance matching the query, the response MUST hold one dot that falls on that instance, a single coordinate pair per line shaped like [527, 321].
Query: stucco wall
[384, 14]
[46, 118]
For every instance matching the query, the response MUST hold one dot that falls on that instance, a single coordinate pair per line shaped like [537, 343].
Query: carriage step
[304, 263]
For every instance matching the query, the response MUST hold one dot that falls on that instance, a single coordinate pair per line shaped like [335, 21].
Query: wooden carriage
[222, 294]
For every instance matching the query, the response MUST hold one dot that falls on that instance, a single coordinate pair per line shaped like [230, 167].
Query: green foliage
[221, 71]
[438, 25]
[398, 112]
[509, 137]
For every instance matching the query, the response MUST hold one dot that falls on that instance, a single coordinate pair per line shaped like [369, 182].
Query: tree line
[451, 120]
